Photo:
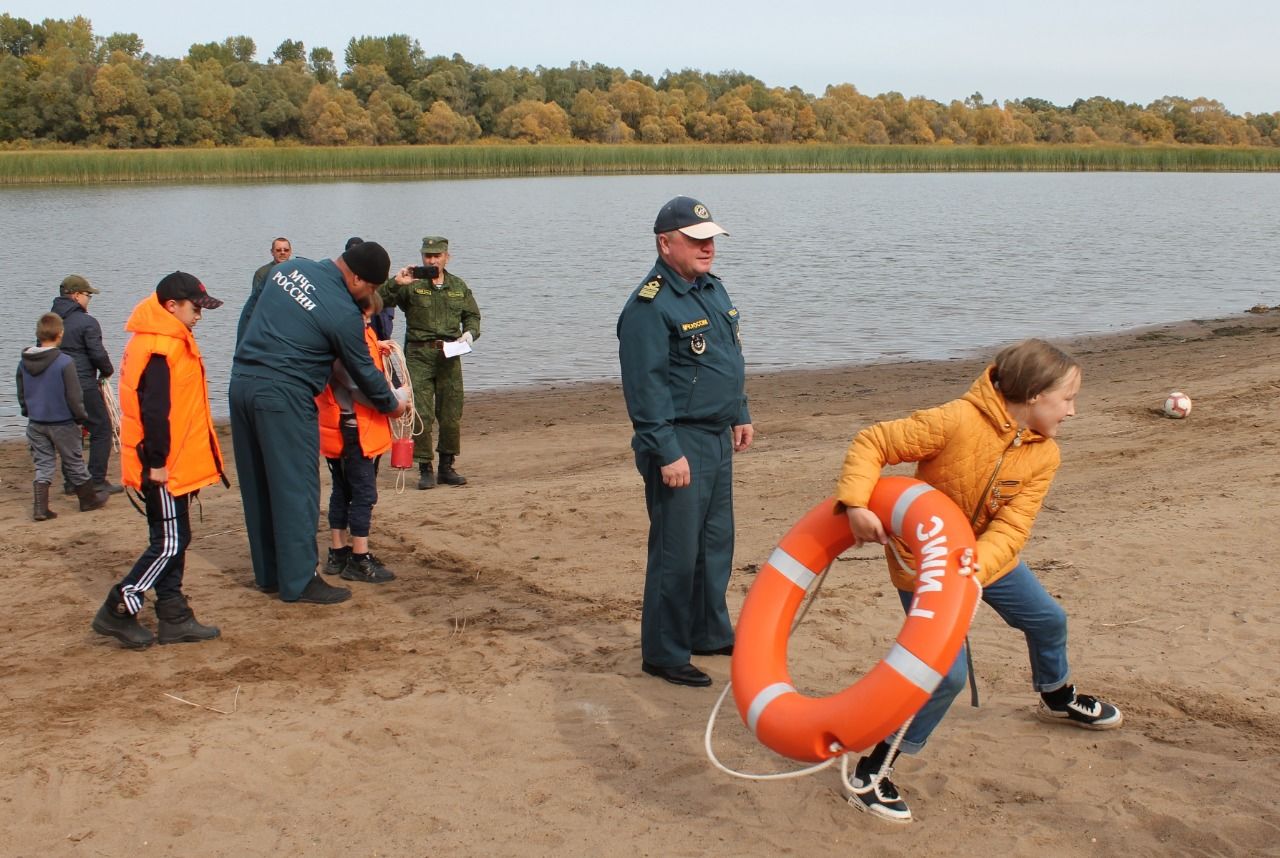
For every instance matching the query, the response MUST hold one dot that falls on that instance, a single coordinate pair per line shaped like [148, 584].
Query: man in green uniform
[438, 308]
[306, 316]
[683, 377]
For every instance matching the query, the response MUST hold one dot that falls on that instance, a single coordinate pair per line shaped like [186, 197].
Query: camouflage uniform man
[438, 308]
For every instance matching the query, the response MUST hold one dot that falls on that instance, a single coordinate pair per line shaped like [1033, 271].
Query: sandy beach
[490, 701]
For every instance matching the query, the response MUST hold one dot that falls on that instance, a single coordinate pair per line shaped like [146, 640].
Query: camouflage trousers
[437, 396]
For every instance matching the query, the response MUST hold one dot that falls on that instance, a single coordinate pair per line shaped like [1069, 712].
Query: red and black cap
[181, 286]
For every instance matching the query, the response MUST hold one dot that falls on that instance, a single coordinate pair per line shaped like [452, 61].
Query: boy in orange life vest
[168, 452]
[353, 437]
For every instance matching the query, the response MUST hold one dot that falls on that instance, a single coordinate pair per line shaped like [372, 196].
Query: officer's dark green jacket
[303, 318]
[681, 360]
[433, 312]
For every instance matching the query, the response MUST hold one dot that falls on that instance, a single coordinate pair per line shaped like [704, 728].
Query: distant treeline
[63, 86]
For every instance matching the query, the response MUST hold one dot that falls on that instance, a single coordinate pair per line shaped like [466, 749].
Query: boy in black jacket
[50, 397]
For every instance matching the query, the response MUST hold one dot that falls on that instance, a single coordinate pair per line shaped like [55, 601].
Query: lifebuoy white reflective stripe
[816, 728]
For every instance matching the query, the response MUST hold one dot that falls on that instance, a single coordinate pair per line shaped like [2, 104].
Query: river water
[825, 269]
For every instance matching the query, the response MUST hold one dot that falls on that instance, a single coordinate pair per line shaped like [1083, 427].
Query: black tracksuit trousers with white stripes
[161, 566]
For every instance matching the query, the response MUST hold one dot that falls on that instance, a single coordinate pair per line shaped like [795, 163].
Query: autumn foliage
[61, 85]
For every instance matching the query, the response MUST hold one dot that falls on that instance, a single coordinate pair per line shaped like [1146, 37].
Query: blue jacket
[82, 341]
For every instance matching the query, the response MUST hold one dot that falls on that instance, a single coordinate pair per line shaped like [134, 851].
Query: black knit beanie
[368, 261]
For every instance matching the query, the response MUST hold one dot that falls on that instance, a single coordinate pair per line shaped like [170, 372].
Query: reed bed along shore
[428, 162]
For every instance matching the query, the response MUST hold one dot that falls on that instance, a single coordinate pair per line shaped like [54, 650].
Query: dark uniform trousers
[690, 550]
[99, 426]
[437, 397]
[276, 436]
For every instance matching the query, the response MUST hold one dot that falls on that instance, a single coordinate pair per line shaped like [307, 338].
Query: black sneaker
[337, 560]
[878, 798]
[365, 567]
[1081, 710]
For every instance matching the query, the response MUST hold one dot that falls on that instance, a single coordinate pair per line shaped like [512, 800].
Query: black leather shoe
[317, 592]
[685, 674]
[727, 649]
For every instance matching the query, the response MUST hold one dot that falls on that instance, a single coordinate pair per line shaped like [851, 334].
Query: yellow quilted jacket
[973, 451]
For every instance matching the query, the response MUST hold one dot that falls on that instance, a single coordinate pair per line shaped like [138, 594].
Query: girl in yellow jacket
[992, 452]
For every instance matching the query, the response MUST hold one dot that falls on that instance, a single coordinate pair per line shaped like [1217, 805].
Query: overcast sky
[1134, 50]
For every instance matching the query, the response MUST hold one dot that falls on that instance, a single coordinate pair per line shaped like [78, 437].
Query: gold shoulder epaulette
[650, 290]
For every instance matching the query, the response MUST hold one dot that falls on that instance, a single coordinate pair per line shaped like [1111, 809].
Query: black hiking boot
[179, 625]
[426, 476]
[448, 476]
[114, 620]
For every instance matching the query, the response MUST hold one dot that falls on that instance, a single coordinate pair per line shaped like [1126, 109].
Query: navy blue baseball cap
[690, 217]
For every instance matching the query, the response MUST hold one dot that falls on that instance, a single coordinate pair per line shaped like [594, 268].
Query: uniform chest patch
[694, 326]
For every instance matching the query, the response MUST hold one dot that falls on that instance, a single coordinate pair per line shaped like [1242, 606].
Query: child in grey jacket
[50, 397]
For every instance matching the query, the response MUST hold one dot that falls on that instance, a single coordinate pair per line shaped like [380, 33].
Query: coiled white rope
[409, 424]
[715, 710]
[113, 411]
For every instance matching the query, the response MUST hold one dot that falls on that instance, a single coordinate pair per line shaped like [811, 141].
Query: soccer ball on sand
[1177, 405]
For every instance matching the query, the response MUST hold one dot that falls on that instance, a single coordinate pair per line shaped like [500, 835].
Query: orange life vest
[195, 459]
[375, 427]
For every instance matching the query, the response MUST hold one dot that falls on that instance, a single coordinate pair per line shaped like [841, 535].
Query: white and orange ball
[1177, 405]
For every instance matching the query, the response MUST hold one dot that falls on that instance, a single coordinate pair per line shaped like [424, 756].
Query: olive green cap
[75, 283]
[435, 244]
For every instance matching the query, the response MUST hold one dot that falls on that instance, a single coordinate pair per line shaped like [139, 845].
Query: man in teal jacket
[304, 318]
[683, 377]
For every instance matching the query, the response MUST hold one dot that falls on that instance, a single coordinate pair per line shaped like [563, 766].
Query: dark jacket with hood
[82, 341]
[48, 390]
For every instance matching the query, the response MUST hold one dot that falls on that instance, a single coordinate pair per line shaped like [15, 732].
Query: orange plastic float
[818, 728]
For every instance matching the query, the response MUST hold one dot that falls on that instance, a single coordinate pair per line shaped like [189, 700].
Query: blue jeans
[1023, 603]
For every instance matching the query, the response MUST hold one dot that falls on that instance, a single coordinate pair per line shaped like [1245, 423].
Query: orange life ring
[818, 728]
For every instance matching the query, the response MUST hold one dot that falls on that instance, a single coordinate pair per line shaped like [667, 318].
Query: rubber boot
[426, 477]
[114, 620]
[91, 498]
[179, 625]
[448, 475]
[108, 487]
[40, 511]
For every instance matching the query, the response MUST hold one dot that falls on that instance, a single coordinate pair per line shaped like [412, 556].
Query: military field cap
[181, 286]
[76, 283]
[435, 244]
[690, 217]
[368, 261]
